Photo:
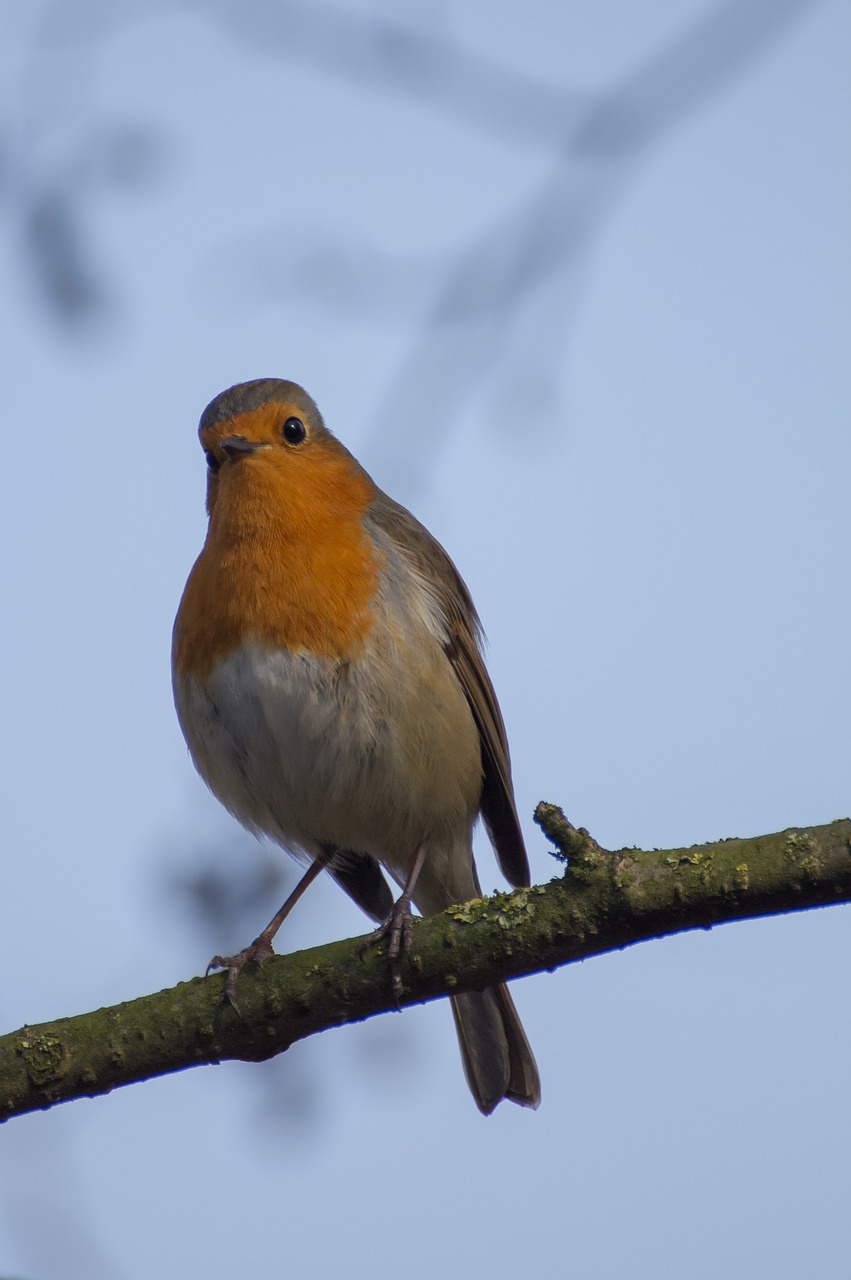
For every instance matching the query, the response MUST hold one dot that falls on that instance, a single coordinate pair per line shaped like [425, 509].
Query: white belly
[363, 756]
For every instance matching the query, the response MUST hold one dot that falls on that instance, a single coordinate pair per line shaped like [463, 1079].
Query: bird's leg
[397, 927]
[261, 948]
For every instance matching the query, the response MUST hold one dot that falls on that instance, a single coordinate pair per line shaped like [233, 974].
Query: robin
[329, 682]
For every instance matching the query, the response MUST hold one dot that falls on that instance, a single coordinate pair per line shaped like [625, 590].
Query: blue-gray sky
[604, 356]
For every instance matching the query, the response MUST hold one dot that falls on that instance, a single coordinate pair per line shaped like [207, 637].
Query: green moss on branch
[603, 901]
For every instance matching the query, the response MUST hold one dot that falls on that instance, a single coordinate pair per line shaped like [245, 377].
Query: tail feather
[498, 1061]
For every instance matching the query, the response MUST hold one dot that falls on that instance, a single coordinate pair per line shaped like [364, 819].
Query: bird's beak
[238, 447]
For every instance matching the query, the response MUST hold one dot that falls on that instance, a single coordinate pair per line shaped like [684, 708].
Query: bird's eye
[213, 463]
[293, 431]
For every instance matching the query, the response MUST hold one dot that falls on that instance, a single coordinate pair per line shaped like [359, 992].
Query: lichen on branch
[603, 900]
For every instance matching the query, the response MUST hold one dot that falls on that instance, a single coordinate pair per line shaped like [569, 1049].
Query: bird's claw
[257, 953]
[397, 929]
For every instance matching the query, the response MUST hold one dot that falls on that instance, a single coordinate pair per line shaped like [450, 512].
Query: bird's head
[268, 437]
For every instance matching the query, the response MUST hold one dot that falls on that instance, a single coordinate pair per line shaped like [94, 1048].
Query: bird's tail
[498, 1061]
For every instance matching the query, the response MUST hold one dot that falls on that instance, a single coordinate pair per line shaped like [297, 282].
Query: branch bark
[604, 901]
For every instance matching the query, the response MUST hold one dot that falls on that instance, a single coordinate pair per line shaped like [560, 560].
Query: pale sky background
[605, 358]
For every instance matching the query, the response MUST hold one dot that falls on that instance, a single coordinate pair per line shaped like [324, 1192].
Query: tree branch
[604, 901]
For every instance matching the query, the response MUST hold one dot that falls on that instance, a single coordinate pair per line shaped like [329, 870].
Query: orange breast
[286, 563]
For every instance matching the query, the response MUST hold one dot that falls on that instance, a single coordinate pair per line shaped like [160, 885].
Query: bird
[329, 681]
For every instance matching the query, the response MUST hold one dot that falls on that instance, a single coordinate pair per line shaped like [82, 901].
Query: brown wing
[361, 877]
[462, 649]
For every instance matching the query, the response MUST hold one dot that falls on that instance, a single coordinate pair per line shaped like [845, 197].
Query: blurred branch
[501, 304]
[65, 273]
[473, 299]
[383, 55]
[545, 242]
[604, 901]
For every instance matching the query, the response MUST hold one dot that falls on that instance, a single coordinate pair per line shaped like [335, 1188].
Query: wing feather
[462, 646]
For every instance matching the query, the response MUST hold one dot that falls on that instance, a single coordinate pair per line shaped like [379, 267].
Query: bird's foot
[397, 930]
[257, 953]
